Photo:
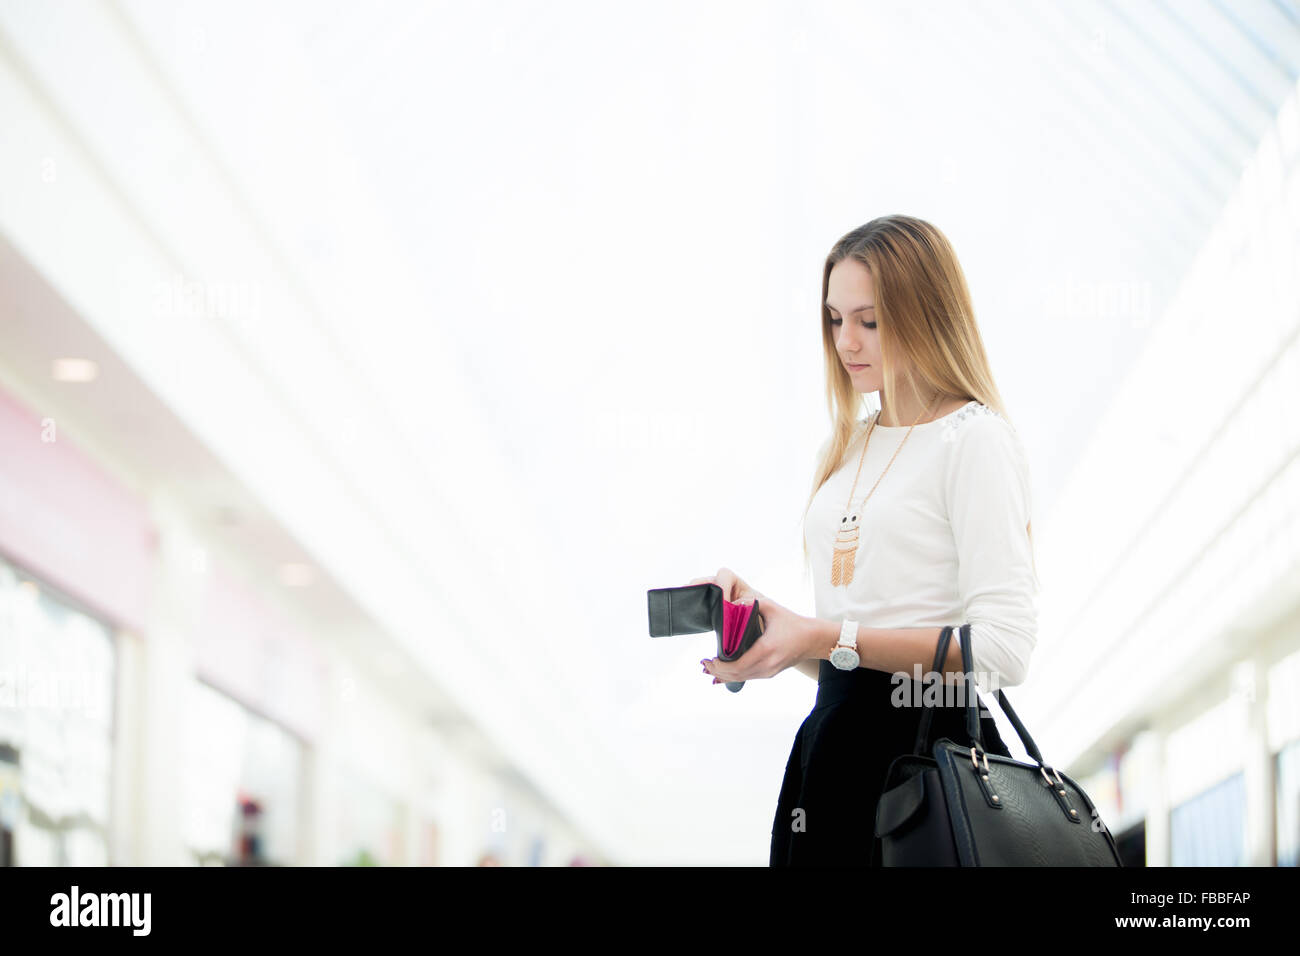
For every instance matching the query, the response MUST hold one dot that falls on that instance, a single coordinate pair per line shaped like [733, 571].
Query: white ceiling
[570, 254]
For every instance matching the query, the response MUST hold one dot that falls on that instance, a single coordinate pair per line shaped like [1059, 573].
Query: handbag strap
[972, 706]
[972, 701]
[972, 697]
[923, 732]
[1021, 732]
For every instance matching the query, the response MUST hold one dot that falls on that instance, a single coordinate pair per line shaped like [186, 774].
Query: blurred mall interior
[194, 671]
[166, 695]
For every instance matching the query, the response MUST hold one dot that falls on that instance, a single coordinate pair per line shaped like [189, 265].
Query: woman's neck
[908, 410]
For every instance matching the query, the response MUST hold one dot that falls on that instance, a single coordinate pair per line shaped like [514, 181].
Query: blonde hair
[924, 313]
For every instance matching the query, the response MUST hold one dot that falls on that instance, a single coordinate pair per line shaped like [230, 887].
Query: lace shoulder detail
[953, 423]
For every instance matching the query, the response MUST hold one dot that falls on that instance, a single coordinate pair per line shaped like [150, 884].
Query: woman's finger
[729, 582]
[741, 592]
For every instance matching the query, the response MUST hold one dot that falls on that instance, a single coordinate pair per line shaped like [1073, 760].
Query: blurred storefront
[160, 703]
[56, 727]
[244, 784]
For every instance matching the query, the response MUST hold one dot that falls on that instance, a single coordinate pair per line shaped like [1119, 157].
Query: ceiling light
[295, 575]
[75, 370]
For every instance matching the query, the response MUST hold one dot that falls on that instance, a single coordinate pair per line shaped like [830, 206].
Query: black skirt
[826, 812]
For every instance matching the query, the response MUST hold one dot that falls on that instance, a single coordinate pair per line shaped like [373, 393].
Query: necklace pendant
[846, 550]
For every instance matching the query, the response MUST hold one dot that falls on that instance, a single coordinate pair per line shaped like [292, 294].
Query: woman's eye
[835, 321]
[870, 325]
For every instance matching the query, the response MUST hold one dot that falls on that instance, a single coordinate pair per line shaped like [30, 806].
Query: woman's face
[851, 300]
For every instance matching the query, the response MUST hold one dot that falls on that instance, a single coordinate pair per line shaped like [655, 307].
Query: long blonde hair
[924, 312]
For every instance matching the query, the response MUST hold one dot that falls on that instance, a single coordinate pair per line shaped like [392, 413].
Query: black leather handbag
[962, 806]
[695, 608]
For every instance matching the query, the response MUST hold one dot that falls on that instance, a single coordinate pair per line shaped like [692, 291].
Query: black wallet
[696, 608]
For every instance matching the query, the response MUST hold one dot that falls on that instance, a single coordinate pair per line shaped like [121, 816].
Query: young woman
[918, 518]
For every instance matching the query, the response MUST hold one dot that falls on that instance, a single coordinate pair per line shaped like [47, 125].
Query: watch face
[844, 658]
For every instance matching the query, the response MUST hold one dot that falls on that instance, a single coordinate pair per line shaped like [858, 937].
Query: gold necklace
[846, 535]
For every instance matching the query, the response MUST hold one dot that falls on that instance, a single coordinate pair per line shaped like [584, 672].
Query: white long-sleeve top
[942, 539]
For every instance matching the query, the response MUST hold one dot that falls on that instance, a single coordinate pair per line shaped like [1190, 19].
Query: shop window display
[56, 726]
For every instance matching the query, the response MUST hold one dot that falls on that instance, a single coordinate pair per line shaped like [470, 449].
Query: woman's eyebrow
[861, 308]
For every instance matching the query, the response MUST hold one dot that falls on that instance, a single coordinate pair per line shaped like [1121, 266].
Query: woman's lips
[856, 368]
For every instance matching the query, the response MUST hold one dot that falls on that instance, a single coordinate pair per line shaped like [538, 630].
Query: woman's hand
[785, 641]
[733, 588]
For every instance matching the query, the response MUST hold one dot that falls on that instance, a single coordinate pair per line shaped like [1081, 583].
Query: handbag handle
[927, 718]
[923, 732]
[972, 701]
[972, 707]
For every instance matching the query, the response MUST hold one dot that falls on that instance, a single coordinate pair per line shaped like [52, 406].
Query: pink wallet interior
[734, 619]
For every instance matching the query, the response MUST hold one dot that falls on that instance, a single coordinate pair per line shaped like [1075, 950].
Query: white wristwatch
[844, 654]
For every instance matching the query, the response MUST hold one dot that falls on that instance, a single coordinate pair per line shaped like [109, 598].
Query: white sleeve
[988, 496]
